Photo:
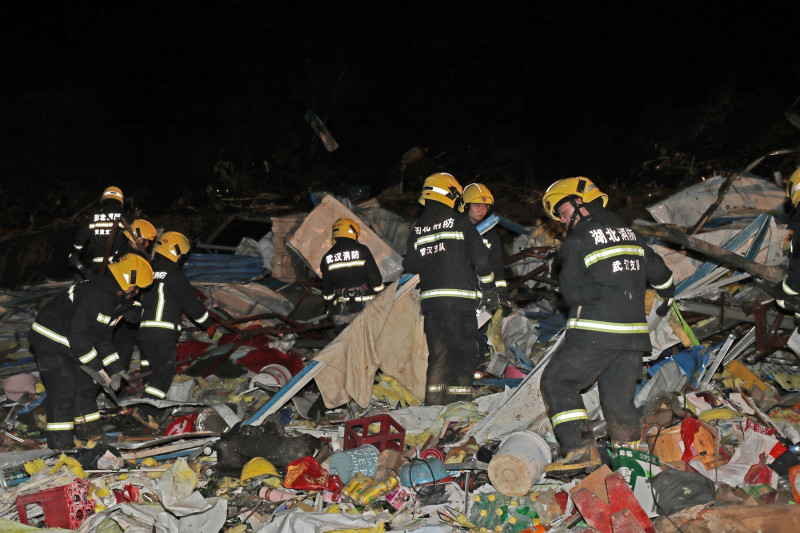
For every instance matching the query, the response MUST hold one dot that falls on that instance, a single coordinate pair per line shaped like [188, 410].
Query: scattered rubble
[277, 426]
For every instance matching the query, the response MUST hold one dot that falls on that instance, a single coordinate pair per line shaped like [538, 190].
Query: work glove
[490, 299]
[104, 376]
[115, 381]
[134, 314]
[668, 295]
[665, 306]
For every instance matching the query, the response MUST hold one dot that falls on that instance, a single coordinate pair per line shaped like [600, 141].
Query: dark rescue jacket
[349, 271]
[99, 230]
[162, 302]
[492, 241]
[605, 270]
[446, 250]
[82, 320]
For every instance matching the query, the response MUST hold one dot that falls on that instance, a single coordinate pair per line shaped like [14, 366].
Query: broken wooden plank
[675, 236]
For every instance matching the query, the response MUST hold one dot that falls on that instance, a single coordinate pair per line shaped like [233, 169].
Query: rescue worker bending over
[446, 250]
[605, 270]
[138, 243]
[350, 276]
[102, 231]
[75, 329]
[477, 203]
[161, 325]
[125, 333]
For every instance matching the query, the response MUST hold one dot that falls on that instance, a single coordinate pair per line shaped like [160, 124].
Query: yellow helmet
[142, 229]
[132, 270]
[114, 193]
[257, 466]
[441, 187]
[345, 227]
[172, 245]
[562, 189]
[476, 193]
[793, 187]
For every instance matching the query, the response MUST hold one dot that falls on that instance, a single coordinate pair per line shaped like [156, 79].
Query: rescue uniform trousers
[452, 355]
[124, 342]
[71, 401]
[161, 354]
[574, 369]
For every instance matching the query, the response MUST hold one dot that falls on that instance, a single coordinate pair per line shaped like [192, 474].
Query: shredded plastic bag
[677, 490]
[306, 474]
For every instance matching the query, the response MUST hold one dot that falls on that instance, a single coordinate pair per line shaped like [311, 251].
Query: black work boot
[584, 460]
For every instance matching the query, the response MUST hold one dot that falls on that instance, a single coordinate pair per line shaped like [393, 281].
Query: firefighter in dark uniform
[477, 202]
[161, 325]
[139, 242]
[75, 329]
[790, 286]
[103, 227]
[605, 270]
[446, 250]
[350, 276]
[125, 333]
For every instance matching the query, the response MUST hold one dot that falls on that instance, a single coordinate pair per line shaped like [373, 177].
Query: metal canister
[356, 486]
[378, 489]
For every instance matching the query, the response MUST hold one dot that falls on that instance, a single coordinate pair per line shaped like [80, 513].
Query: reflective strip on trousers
[569, 416]
[451, 389]
[60, 426]
[155, 392]
[448, 293]
[87, 418]
[607, 327]
[159, 324]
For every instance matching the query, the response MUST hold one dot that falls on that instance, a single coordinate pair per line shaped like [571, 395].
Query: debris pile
[274, 424]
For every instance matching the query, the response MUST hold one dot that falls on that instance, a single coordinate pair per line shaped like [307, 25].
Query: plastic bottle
[546, 506]
[482, 514]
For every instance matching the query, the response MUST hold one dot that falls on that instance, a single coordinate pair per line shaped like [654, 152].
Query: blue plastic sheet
[692, 362]
[223, 267]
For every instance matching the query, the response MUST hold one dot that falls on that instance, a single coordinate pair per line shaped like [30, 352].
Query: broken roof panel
[313, 239]
[746, 195]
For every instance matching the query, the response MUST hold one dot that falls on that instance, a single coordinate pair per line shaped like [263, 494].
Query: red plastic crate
[390, 435]
[66, 506]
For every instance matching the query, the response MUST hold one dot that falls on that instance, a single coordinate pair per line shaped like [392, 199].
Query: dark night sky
[152, 94]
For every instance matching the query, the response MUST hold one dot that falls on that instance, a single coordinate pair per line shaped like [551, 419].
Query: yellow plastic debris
[149, 462]
[31, 467]
[39, 388]
[390, 390]
[718, 413]
[72, 464]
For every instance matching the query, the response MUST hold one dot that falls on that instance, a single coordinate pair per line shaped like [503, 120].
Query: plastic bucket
[348, 463]
[519, 462]
[274, 374]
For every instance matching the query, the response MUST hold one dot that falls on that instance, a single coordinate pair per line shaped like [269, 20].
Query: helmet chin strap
[576, 214]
